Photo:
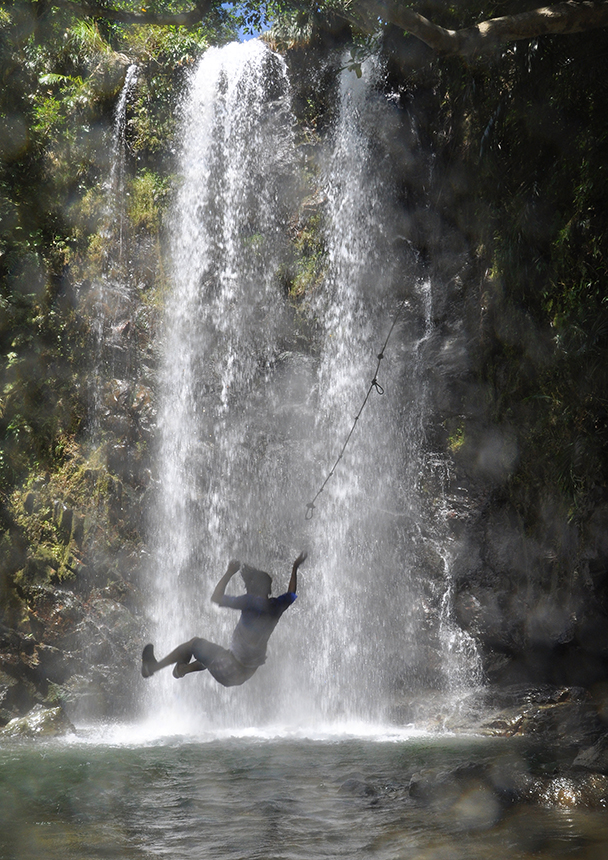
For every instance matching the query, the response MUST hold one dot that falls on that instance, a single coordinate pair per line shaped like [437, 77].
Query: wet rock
[123, 460]
[595, 535]
[109, 75]
[594, 791]
[120, 425]
[105, 643]
[53, 613]
[358, 787]
[40, 722]
[86, 696]
[569, 792]
[16, 697]
[55, 665]
[533, 623]
[482, 613]
[112, 619]
[594, 758]
[65, 522]
[78, 529]
[465, 794]
[75, 647]
[566, 715]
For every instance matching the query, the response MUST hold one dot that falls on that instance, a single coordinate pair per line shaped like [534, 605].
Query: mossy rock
[41, 722]
[39, 568]
[108, 77]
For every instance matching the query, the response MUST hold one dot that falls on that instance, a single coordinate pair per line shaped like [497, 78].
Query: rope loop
[377, 386]
[310, 510]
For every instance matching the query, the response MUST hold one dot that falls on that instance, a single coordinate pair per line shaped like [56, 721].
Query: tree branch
[572, 16]
[561, 19]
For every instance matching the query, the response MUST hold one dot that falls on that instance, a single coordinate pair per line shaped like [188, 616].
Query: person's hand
[301, 558]
[233, 566]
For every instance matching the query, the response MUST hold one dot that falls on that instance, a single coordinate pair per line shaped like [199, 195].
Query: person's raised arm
[293, 582]
[220, 588]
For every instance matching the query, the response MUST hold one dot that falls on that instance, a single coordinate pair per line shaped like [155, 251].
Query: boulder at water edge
[40, 722]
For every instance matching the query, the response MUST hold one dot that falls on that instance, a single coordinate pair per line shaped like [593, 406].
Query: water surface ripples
[104, 795]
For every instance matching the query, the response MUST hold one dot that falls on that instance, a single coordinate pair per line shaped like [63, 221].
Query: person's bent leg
[181, 669]
[227, 670]
[205, 652]
[182, 654]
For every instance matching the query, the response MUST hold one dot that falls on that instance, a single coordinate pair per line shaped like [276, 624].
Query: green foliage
[148, 196]
[310, 259]
[83, 40]
[60, 78]
[166, 46]
[152, 127]
[457, 438]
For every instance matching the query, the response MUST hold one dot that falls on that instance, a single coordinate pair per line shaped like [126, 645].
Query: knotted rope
[374, 385]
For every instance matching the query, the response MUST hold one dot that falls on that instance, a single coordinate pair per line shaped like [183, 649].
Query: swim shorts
[221, 663]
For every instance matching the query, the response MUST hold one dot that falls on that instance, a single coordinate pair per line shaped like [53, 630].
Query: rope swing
[374, 385]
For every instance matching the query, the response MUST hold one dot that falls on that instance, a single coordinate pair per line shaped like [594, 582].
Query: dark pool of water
[272, 799]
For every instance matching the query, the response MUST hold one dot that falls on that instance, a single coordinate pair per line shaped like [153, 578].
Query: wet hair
[256, 581]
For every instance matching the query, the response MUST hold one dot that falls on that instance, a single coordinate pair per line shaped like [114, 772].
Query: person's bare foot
[148, 661]
[180, 669]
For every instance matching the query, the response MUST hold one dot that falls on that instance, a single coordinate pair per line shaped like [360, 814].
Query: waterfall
[226, 480]
[250, 423]
[116, 184]
[369, 599]
[112, 294]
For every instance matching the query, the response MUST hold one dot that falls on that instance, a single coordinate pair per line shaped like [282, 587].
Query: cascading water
[112, 291]
[366, 601]
[252, 415]
[116, 184]
[376, 640]
[225, 475]
[249, 425]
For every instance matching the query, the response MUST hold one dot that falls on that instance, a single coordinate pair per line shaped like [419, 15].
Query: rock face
[567, 716]
[539, 616]
[594, 758]
[109, 75]
[78, 651]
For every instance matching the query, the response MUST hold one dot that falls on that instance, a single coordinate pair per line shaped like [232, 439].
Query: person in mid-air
[260, 614]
